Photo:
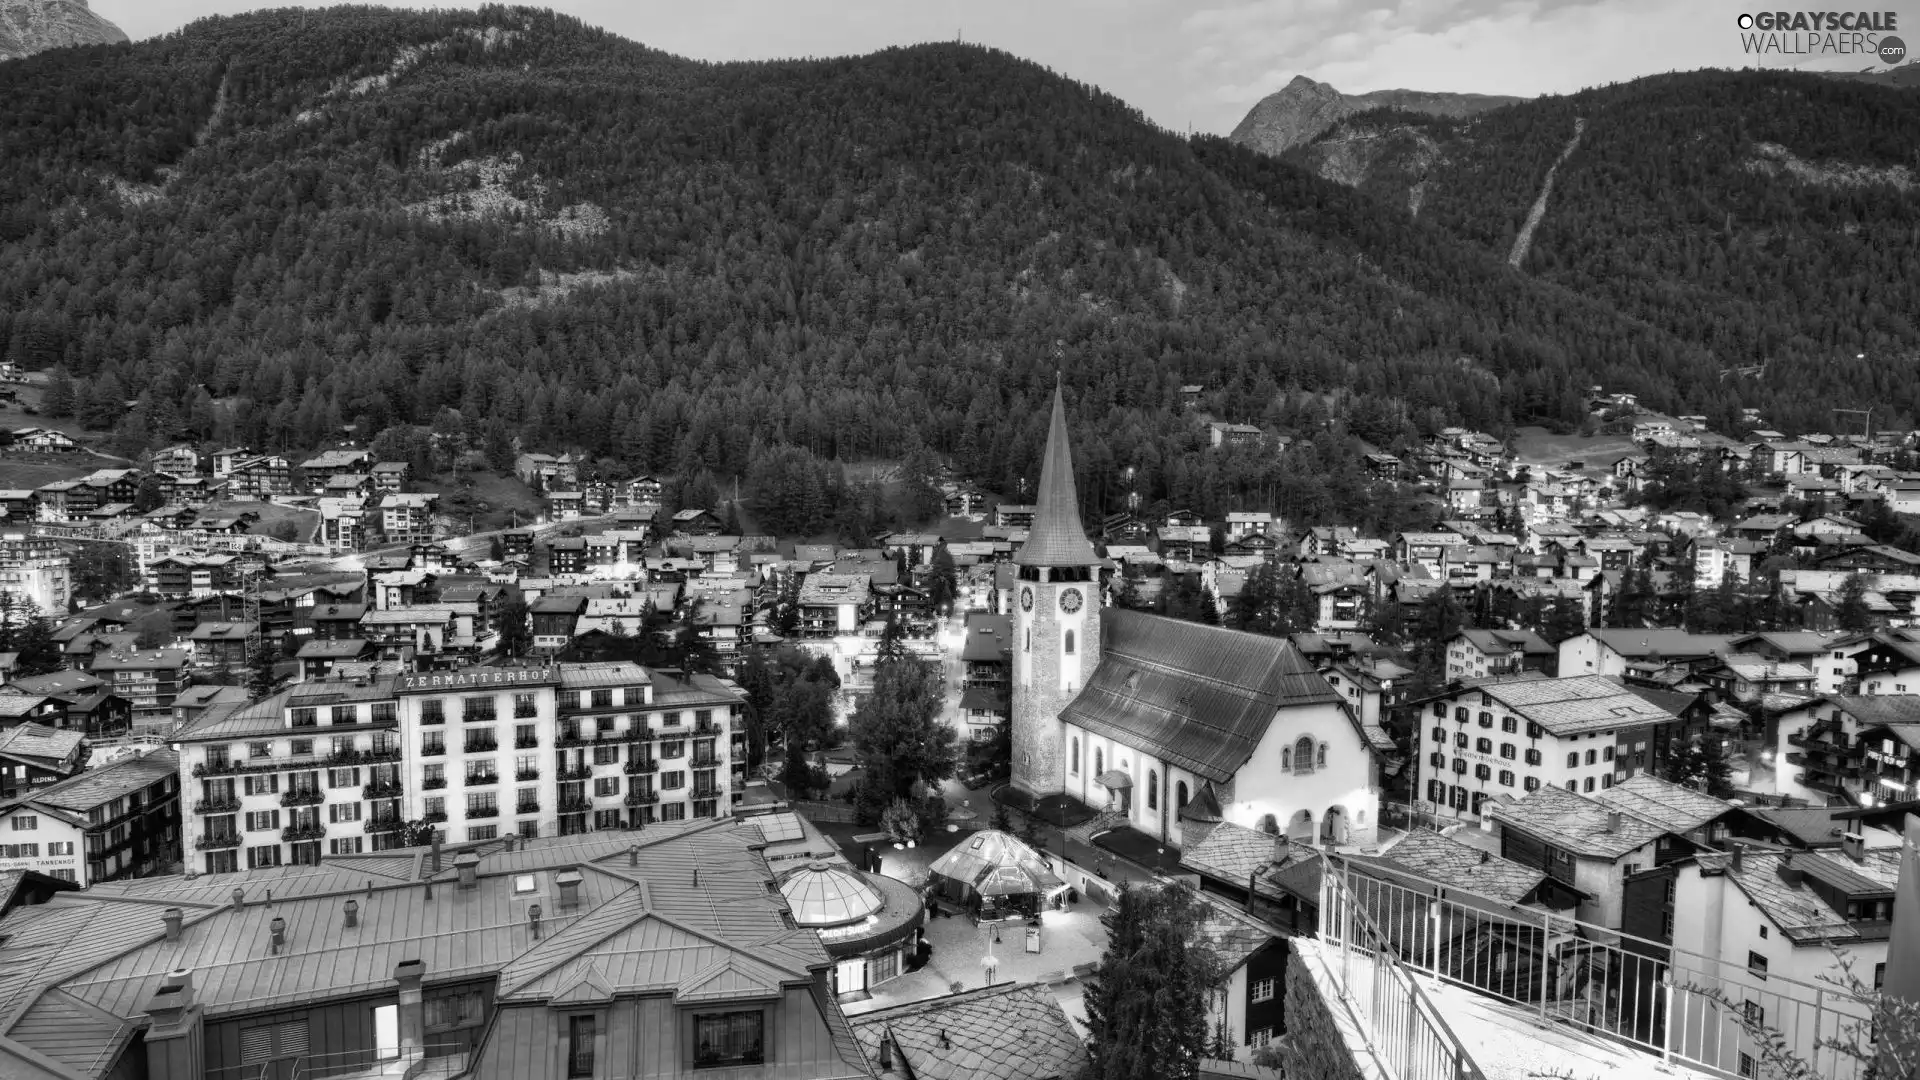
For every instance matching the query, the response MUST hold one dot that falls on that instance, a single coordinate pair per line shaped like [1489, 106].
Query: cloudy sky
[1185, 63]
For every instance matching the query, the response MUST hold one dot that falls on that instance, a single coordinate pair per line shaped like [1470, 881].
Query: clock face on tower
[1026, 599]
[1070, 601]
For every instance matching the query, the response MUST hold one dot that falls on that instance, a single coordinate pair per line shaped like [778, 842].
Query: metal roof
[1199, 697]
[1057, 537]
[684, 908]
[1577, 704]
[96, 787]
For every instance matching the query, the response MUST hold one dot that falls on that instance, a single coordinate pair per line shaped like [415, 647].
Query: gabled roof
[1199, 697]
[1004, 1032]
[1576, 704]
[38, 744]
[1434, 857]
[1663, 803]
[1575, 823]
[689, 904]
[80, 793]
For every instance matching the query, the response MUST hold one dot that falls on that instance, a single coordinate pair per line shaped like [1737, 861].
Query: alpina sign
[476, 679]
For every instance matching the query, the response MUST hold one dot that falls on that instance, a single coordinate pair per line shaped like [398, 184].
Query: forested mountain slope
[367, 216]
[1769, 216]
[31, 26]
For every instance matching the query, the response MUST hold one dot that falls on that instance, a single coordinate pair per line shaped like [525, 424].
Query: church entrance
[1119, 790]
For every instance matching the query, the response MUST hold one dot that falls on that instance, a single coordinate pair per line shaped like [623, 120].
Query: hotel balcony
[217, 841]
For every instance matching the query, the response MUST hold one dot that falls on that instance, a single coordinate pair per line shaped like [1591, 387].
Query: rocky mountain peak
[31, 26]
[1300, 111]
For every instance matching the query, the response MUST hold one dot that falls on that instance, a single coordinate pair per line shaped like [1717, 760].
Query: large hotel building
[344, 766]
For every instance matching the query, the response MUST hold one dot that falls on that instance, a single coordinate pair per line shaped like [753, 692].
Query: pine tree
[898, 733]
[1852, 613]
[1148, 1002]
[261, 678]
[60, 399]
[943, 586]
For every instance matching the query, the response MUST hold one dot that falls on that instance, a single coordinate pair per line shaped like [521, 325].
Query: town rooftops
[1797, 909]
[1575, 823]
[1577, 704]
[332, 649]
[825, 589]
[223, 631]
[603, 674]
[151, 660]
[1198, 697]
[1874, 709]
[1663, 803]
[645, 922]
[1434, 857]
[82, 792]
[1670, 644]
[1003, 1032]
[1505, 641]
[37, 744]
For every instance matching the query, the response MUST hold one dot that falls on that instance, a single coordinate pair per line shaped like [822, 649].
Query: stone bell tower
[1056, 618]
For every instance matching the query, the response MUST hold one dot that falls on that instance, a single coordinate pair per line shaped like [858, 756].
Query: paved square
[1068, 939]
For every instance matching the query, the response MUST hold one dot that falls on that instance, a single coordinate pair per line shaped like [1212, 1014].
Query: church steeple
[1057, 538]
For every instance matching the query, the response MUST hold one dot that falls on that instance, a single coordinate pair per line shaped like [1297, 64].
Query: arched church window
[1153, 790]
[1180, 790]
[1099, 761]
[1303, 755]
[1076, 757]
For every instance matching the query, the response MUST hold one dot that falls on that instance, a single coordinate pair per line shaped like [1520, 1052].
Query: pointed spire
[1057, 538]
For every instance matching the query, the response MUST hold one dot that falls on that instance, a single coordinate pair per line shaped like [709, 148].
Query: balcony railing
[641, 766]
[569, 739]
[706, 792]
[294, 834]
[434, 817]
[228, 805]
[217, 841]
[433, 750]
[479, 747]
[637, 734]
[482, 779]
[385, 824]
[1643, 995]
[364, 757]
[574, 772]
[303, 797]
[433, 783]
[382, 789]
[483, 811]
[706, 727]
[575, 805]
[706, 761]
[526, 774]
[522, 742]
[527, 808]
[642, 798]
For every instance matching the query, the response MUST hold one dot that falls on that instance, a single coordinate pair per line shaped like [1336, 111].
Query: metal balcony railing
[1650, 996]
[641, 766]
[294, 834]
[228, 805]
[303, 797]
[642, 798]
[217, 841]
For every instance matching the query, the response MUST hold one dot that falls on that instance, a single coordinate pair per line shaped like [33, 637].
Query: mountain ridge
[518, 228]
[1304, 109]
[32, 26]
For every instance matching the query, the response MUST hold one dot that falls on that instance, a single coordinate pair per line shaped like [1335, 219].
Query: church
[1168, 723]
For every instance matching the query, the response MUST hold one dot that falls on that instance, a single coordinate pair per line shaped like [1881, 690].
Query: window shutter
[292, 1038]
[256, 1045]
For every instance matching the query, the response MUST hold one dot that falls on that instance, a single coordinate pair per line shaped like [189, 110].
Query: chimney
[510, 838]
[350, 915]
[468, 865]
[1738, 862]
[433, 858]
[945, 1043]
[1854, 846]
[277, 933]
[1789, 873]
[173, 1039]
[1486, 857]
[408, 974]
[886, 1051]
[533, 920]
[172, 917]
[568, 882]
[1613, 821]
[239, 898]
[633, 855]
